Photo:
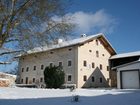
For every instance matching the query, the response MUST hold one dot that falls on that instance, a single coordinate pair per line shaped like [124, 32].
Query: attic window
[51, 52]
[70, 49]
[97, 43]
[35, 56]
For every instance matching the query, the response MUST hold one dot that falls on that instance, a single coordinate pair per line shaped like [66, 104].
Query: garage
[130, 79]
[128, 75]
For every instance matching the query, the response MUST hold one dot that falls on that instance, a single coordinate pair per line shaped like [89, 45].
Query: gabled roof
[123, 55]
[73, 42]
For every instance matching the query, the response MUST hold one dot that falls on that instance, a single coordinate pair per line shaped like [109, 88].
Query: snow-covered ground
[30, 96]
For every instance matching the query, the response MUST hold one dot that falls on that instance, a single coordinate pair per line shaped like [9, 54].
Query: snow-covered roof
[6, 74]
[123, 55]
[4, 79]
[63, 44]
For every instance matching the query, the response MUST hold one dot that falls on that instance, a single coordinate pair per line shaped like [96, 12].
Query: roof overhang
[99, 36]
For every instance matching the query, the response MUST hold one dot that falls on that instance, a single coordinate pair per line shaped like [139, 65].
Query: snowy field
[30, 96]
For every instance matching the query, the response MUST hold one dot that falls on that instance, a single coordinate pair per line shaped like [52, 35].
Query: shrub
[54, 76]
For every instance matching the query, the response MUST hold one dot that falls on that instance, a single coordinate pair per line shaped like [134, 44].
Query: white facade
[88, 63]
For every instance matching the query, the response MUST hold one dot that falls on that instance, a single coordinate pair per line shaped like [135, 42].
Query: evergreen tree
[54, 76]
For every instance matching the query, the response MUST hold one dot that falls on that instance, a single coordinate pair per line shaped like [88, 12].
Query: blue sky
[119, 20]
[125, 34]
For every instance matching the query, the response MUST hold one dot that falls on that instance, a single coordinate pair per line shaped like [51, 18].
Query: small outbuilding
[128, 75]
[126, 66]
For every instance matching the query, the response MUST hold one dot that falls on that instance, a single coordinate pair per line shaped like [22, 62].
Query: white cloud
[99, 21]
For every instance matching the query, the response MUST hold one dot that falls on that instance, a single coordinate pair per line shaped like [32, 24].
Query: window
[27, 69]
[103, 55]
[107, 68]
[51, 52]
[41, 79]
[90, 50]
[34, 67]
[97, 53]
[101, 80]
[97, 42]
[33, 80]
[93, 65]
[85, 78]
[26, 81]
[51, 64]
[93, 79]
[108, 80]
[60, 64]
[85, 63]
[22, 70]
[42, 67]
[69, 63]
[101, 67]
[69, 77]
[70, 49]
[21, 80]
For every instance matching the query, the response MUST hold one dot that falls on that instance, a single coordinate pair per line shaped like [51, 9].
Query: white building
[84, 61]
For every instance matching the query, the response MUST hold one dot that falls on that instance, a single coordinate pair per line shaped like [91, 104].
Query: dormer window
[97, 43]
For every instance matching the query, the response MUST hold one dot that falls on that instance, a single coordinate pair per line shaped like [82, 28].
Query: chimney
[83, 35]
[59, 41]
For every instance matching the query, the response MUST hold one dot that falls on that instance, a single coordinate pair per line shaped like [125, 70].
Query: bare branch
[10, 52]
[12, 40]
[3, 63]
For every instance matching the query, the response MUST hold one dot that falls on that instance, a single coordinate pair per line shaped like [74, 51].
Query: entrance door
[26, 80]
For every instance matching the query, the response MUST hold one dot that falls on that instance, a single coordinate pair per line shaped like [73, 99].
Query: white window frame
[41, 66]
[67, 77]
[60, 61]
[68, 61]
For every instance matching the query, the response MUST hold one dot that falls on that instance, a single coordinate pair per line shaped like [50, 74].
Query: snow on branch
[9, 52]
[2, 63]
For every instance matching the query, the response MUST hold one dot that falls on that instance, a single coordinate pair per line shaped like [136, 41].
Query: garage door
[130, 80]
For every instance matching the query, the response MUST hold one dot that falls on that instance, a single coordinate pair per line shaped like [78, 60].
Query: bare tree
[25, 24]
